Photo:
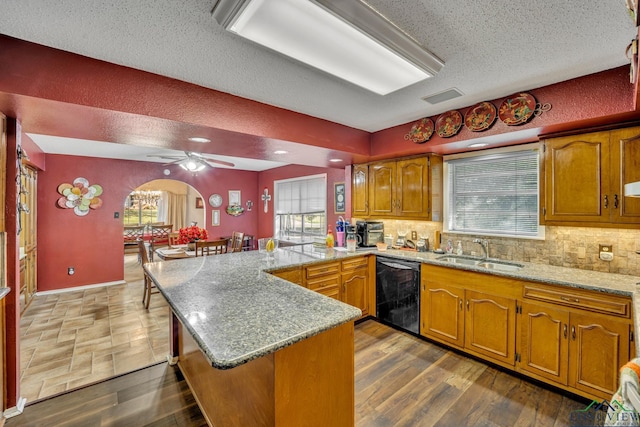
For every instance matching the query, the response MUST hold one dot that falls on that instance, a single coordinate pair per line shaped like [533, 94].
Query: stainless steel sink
[482, 263]
[500, 266]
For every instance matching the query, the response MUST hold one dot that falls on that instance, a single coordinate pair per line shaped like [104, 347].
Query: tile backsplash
[575, 247]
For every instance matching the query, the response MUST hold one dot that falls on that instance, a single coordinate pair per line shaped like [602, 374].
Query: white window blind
[494, 194]
[301, 195]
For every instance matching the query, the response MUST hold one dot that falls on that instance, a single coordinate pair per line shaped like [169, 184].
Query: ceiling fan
[193, 162]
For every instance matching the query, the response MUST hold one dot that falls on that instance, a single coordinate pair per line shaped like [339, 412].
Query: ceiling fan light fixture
[349, 40]
[192, 165]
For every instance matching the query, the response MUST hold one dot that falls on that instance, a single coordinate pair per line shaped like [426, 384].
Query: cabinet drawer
[324, 282]
[582, 299]
[291, 274]
[322, 269]
[353, 263]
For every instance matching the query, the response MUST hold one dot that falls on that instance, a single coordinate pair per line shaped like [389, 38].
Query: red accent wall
[266, 179]
[93, 244]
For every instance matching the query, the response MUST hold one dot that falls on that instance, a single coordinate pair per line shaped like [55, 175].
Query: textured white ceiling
[491, 49]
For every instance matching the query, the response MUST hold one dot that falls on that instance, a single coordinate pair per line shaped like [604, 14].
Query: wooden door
[360, 191]
[490, 326]
[577, 171]
[598, 348]
[412, 187]
[544, 342]
[441, 313]
[625, 168]
[382, 178]
[354, 289]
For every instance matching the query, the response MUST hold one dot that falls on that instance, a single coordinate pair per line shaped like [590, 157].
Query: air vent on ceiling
[443, 96]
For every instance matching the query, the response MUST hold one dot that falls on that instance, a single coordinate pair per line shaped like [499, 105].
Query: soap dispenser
[459, 249]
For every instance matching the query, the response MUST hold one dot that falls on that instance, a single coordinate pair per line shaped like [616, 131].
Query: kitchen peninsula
[256, 349]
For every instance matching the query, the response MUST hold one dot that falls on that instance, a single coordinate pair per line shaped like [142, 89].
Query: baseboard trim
[81, 288]
[14, 411]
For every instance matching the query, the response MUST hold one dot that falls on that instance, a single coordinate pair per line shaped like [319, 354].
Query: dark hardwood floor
[400, 380]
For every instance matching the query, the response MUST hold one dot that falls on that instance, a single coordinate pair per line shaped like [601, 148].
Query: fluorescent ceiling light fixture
[199, 139]
[192, 165]
[347, 39]
[478, 144]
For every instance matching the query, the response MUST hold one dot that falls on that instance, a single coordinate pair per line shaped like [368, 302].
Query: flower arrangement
[191, 234]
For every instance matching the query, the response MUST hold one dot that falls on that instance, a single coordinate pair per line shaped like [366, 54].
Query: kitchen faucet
[485, 246]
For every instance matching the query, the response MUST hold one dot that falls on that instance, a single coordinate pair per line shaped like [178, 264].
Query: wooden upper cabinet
[585, 177]
[401, 188]
[360, 191]
[625, 161]
[382, 178]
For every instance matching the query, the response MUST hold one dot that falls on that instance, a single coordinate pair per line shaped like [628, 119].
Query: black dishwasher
[398, 293]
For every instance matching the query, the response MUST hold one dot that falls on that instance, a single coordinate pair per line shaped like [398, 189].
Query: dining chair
[237, 240]
[211, 247]
[131, 234]
[159, 237]
[148, 284]
[174, 239]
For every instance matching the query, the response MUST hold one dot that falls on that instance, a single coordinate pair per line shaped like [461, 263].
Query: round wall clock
[215, 200]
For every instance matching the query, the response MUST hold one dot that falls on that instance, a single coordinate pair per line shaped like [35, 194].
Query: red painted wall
[266, 179]
[93, 244]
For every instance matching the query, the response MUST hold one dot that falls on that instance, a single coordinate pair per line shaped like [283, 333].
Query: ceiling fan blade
[164, 157]
[219, 162]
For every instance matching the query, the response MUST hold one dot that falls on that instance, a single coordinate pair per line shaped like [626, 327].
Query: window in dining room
[141, 207]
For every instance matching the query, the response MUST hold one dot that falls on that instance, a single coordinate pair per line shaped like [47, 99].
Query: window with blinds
[494, 194]
[300, 206]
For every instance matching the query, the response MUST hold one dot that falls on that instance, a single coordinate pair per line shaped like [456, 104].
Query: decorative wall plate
[421, 131]
[235, 210]
[448, 124]
[517, 109]
[480, 117]
[215, 200]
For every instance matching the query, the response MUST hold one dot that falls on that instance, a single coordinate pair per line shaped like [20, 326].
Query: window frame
[446, 226]
[324, 212]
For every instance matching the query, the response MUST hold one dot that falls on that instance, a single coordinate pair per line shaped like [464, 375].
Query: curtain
[176, 210]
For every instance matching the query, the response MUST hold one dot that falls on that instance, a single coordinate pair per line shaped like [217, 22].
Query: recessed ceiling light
[199, 139]
[477, 145]
[335, 160]
[280, 152]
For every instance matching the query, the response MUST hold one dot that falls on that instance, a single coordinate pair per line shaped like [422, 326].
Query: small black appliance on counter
[370, 232]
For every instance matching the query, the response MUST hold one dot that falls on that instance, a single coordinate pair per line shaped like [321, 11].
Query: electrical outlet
[606, 248]
[414, 235]
[71, 271]
[116, 214]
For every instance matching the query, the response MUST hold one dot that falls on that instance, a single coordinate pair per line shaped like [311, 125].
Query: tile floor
[77, 338]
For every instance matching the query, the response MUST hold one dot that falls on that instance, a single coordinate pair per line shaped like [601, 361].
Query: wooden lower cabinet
[572, 338]
[293, 275]
[578, 350]
[490, 326]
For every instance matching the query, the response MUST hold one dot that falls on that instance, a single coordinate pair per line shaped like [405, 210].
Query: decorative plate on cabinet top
[517, 109]
[421, 131]
[448, 124]
[480, 117]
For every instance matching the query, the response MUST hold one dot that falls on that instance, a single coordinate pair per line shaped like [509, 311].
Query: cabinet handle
[565, 330]
[467, 305]
[573, 333]
[460, 305]
[569, 299]
[615, 201]
[606, 201]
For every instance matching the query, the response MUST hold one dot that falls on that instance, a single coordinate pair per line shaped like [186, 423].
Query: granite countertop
[237, 312]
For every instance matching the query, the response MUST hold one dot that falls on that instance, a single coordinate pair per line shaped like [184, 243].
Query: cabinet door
[381, 188]
[625, 165]
[354, 289]
[442, 314]
[544, 342]
[360, 191]
[598, 348]
[577, 172]
[490, 326]
[412, 187]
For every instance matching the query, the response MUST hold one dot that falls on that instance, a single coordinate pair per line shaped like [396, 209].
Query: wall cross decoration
[265, 198]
